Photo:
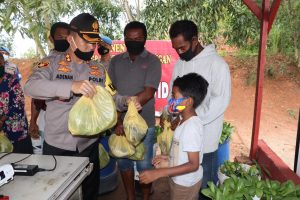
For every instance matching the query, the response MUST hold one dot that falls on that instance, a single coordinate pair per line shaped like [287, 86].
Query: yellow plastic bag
[5, 145]
[135, 126]
[165, 139]
[92, 116]
[139, 152]
[120, 147]
[108, 84]
[103, 157]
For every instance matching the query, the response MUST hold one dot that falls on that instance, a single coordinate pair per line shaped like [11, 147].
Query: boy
[186, 153]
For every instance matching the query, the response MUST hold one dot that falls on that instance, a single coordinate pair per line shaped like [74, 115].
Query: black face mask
[86, 56]
[61, 45]
[103, 50]
[135, 47]
[2, 71]
[188, 55]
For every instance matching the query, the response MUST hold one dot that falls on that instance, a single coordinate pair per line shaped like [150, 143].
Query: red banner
[167, 55]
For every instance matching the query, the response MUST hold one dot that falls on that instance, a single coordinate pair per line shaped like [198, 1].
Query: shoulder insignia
[94, 67]
[63, 63]
[68, 58]
[43, 64]
[95, 71]
[63, 66]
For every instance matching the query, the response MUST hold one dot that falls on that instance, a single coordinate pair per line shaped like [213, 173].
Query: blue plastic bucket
[109, 174]
[223, 152]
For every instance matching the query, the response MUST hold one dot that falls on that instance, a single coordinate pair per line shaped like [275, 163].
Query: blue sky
[22, 45]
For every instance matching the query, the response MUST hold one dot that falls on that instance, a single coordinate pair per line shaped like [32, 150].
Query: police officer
[61, 79]
[104, 51]
[58, 37]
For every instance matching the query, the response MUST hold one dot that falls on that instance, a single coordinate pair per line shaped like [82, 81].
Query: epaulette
[42, 64]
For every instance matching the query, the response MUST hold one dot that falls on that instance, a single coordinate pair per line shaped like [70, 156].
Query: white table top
[48, 184]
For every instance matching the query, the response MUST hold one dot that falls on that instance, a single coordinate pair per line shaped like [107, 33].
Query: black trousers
[90, 185]
[23, 146]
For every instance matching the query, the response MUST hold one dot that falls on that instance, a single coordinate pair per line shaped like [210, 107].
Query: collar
[143, 54]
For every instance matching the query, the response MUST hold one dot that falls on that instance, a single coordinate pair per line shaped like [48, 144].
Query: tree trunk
[48, 26]
[127, 10]
[138, 10]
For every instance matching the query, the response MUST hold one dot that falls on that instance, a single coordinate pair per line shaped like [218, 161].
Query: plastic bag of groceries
[103, 157]
[5, 145]
[92, 116]
[139, 152]
[135, 126]
[165, 139]
[120, 147]
[108, 84]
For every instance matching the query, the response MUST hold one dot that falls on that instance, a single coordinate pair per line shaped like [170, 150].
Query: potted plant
[251, 187]
[223, 150]
[240, 170]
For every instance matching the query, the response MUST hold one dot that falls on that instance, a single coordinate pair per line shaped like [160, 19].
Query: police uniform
[52, 80]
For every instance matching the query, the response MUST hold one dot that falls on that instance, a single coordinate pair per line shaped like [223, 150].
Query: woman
[13, 121]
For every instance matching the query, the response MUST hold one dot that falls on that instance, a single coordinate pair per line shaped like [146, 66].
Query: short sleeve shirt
[188, 137]
[53, 78]
[131, 77]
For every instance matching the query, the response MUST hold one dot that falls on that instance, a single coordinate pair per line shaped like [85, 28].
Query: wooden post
[254, 8]
[260, 76]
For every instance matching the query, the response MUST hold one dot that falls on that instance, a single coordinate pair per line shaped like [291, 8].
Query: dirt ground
[279, 117]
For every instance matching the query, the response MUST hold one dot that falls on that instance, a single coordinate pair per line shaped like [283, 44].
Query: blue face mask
[174, 105]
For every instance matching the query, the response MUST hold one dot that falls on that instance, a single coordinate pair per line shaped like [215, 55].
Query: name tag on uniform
[64, 77]
[96, 79]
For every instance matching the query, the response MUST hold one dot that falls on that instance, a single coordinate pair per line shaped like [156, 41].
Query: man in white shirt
[204, 60]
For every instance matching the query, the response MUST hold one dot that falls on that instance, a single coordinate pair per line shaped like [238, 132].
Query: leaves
[215, 19]
[31, 18]
[107, 12]
[234, 169]
[158, 130]
[249, 186]
[226, 132]
[207, 14]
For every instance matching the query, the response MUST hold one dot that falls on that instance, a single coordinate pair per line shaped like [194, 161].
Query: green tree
[7, 42]
[285, 34]
[107, 12]
[32, 18]
[132, 11]
[230, 19]
[240, 27]
[159, 14]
